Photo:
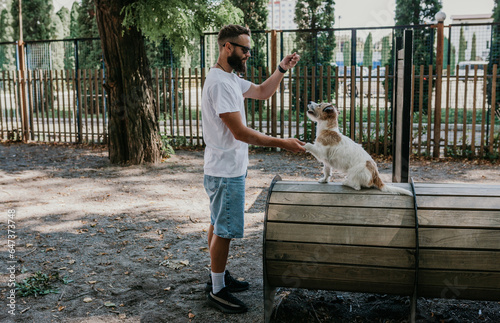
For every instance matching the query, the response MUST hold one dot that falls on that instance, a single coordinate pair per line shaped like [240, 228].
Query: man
[226, 155]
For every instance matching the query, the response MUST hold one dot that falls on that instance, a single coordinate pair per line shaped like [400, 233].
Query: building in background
[283, 12]
[482, 32]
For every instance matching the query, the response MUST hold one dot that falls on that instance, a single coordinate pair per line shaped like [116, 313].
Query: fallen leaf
[60, 308]
[92, 282]
[87, 300]
[191, 315]
[110, 304]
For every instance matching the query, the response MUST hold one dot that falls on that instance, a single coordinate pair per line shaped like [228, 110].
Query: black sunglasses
[244, 49]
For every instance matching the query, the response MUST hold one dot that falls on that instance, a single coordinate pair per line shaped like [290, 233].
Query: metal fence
[67, 102]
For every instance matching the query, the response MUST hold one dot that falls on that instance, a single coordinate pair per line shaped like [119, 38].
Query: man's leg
[219, 250]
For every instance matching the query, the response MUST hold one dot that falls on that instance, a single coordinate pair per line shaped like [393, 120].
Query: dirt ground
[131, 240]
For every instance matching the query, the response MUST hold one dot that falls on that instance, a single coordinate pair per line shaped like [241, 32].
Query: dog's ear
[329, 109]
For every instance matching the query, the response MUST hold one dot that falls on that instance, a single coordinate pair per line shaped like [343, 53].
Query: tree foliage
[37, 19]
[368, 51]
[462, 46]
[315, 47]
[73, 24]
[473, 48]
[416, 12]
[346, 51]
[255, 14]
[89, 51]
[178, 21]
[386, 51]
[7, 58]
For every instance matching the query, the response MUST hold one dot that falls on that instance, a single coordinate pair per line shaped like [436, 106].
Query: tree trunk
[133, 129]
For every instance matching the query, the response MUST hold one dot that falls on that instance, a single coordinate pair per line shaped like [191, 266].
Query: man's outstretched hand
[293, 145]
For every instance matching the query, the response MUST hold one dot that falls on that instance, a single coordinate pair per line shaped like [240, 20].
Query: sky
[381, 12]
[364, 13]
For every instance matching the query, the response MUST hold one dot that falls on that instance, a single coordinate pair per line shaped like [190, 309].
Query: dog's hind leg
[326, 174]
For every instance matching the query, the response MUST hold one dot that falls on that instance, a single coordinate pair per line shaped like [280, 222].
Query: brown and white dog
[338, 151]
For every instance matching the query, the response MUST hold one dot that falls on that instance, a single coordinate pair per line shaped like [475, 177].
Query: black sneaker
[226, 302]
[233, 285]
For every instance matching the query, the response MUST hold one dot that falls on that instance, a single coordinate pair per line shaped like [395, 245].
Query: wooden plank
[369, 114]
[377, 114]
[183, 102]
[260, 101]
[290, 110]
[165, 103]
[197, 108]
[344, 116]
[448, 190]
[52, 104]
[191, 139]
[492, 116]
[464, 124]
[176, 102]
[30, 105]
[458, 202]
[460, 259]
[323, 253]
[483, 118]
[331, 187]
[420, 107]
[361, 92]
[79, 124]
[334, 274]
[97, 107]
[460, 279]
[345, 235]
[455, 121]
[474, 112]
[346, 286]
[471, 186]
[447, 112]
[63, 105]
[452, 292]
[58, 103]
[313, 98]
[170, 81]
[36, 109]
[386, 110]
[429, 111]
[42, 102]
[459, 238]
[362, 200]
[459, 218]
[342, 215]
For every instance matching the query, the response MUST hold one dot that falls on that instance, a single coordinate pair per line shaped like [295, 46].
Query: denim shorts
[227, 205]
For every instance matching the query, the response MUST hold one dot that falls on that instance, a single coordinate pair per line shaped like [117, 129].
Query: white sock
[217, 282]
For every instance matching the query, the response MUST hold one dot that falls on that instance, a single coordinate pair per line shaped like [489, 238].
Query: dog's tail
[395, 190]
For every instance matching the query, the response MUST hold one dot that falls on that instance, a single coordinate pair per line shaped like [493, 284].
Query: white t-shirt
[224, 155]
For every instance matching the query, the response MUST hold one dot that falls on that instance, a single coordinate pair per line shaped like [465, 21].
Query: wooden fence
[69, 106]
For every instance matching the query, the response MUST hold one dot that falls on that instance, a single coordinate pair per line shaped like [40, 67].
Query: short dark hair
[230, 33]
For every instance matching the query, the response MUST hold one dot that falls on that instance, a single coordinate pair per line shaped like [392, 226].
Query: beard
[236, 63]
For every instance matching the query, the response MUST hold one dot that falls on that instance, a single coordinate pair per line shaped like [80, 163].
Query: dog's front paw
[308, 146]
[323, 180]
